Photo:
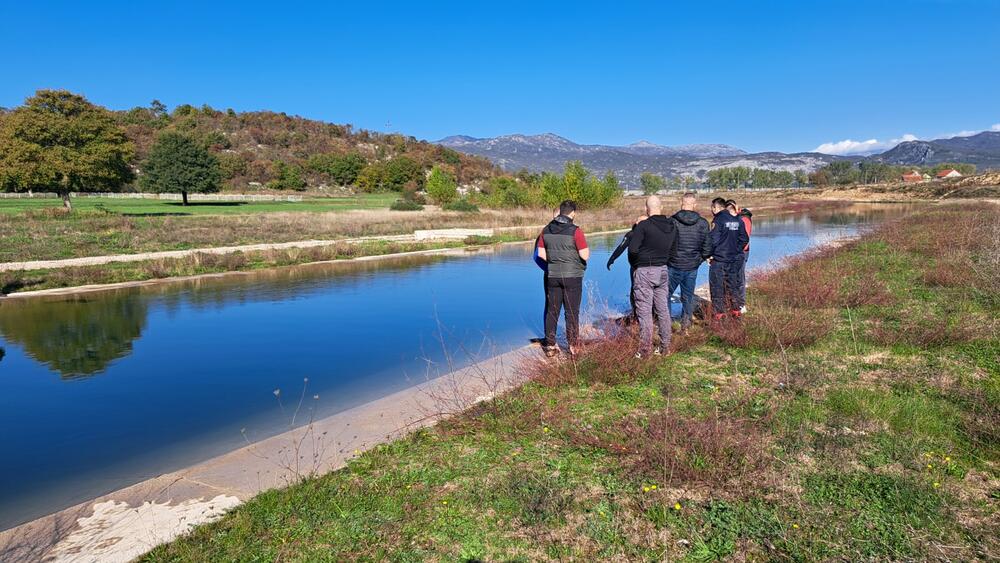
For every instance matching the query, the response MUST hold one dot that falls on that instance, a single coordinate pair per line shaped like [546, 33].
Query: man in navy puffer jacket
[729, 238]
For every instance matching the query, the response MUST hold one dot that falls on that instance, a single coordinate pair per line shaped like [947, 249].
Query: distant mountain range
[982, 149]
[549, 153]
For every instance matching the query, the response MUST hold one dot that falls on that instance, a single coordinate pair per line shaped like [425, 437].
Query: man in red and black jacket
[563, 246]
[745, 216]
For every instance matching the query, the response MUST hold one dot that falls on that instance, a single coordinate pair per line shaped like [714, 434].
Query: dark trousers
[685, 279]
[560, 293]
[725, 283]
[743, 277]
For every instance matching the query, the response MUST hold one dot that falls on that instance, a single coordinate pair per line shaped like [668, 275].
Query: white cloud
[850, 146]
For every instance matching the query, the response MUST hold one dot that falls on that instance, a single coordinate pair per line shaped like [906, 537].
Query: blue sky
[758, 74]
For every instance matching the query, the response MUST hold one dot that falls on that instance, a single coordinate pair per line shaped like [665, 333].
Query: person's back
[563, 247]
[693, 243]
[694, 246]
[729, 236]
[561, 243]
[654, 243]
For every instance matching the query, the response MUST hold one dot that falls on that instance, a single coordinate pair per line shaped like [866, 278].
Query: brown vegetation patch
[777, 328]
[608, 360]
[926, 329]
[719, 450]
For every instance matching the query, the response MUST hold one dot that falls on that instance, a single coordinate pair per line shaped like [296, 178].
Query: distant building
[912, 176]
[949, 173]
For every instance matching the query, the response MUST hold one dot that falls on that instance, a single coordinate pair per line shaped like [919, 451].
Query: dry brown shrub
[777, 328]
[924, 329]
[807, 280]
[683, 451]
[609, 360]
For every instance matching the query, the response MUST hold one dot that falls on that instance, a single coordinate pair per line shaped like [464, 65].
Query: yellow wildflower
[653, 487]
[936, 484]
[796, 526]
[645, 489]
[677, 506]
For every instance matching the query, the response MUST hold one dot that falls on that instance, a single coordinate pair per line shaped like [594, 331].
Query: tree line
[845, 172]
[58, 141]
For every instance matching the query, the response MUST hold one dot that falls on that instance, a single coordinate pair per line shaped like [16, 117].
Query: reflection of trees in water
[850, 214]
[77, 337]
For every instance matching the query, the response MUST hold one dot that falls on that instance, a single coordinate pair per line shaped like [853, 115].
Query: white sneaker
[743, 310]
[657, 351]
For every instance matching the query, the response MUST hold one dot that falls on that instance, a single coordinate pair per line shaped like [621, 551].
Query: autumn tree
[179, 164]
[58, 141]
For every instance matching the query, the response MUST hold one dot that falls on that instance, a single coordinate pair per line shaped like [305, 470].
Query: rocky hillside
[982, 149]
[549, 153]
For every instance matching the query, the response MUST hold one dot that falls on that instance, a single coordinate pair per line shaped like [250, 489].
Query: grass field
[853, 415]
[163, 208]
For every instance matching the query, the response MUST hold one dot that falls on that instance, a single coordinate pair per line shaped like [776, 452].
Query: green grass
[868, 450]
[153, 207]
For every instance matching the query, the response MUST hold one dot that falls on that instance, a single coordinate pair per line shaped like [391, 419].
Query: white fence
[169, 197]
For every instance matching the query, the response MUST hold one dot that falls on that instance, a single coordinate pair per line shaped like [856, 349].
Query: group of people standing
[664, 253]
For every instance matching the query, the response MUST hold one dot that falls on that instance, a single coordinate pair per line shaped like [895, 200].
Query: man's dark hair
[721, 202]
[731, 203]
[566, 207]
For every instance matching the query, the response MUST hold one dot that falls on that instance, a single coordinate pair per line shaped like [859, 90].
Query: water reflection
[76, 337]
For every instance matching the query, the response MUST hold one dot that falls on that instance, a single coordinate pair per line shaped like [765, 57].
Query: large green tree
[58, 141]
[441, 186]
[651, 183]
[178, 164]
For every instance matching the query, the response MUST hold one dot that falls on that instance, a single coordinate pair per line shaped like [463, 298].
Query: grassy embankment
[54, 234]
[128, 227]
[855, 414]
[167, 208]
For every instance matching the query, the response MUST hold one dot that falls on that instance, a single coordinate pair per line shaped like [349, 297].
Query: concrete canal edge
[124, 524]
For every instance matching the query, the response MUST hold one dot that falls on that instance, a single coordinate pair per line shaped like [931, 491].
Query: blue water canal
[102, 390]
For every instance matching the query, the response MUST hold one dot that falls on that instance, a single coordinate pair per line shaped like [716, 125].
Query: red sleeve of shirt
[579, 239]
[747, 224]
[541, 242]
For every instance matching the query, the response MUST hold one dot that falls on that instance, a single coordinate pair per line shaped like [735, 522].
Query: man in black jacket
[693, 247]
[654, 243]
[729, 237]
[619, 250]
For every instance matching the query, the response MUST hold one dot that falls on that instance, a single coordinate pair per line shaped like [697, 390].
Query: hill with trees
[60, 142]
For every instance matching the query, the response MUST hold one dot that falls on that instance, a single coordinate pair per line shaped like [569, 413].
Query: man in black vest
[564, 248]
[654, 243]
